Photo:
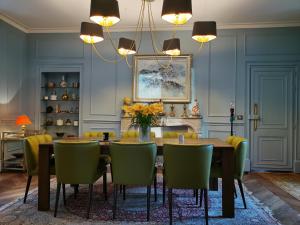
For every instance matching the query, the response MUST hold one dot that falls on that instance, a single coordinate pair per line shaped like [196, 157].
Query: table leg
[44, 178]
[227, 183]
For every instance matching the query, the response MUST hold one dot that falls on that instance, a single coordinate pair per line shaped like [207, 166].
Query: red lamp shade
[23, 120]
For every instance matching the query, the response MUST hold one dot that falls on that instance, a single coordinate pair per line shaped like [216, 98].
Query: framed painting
[161, 77]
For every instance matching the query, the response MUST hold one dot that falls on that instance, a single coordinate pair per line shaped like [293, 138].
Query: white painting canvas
[162, 77]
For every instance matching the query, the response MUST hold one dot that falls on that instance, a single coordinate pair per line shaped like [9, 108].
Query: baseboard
[247, 165]
[297, 166]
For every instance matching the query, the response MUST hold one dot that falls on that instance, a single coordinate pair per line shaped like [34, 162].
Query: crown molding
[14, 23]
[118, 28]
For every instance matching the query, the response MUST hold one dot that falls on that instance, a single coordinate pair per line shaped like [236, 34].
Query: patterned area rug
[289, 182]
[133, 209]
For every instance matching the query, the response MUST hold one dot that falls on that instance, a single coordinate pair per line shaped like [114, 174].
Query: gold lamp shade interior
[105, 12]
[91, 33]
[204, 31]
[126, 46]
[177, 11]
[172, 47]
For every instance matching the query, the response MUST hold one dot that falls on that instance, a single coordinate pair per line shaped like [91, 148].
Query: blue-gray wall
[220, 74]
[13, 70]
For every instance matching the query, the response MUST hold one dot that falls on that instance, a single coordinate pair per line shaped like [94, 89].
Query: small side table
[16, 163]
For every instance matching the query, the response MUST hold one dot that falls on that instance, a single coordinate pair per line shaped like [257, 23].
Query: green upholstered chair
[31, 146]
[134, 134]
[133, 164]
[78, 163]
[98, 134]
[240, 145]
[193, 172]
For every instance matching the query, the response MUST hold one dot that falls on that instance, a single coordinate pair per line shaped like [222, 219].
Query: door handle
[255, 115]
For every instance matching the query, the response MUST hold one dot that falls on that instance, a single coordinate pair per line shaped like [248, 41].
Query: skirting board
[297, 166]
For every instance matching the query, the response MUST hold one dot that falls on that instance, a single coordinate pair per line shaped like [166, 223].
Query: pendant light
[126, 46]
[105, 12]
[204, 31]
[172, 47]
[91, 33]
[177, 11]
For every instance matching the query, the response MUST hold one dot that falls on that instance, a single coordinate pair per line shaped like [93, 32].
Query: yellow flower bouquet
[144, 115]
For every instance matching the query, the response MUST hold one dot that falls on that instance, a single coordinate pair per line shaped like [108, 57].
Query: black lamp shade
[204, 31]
[91, 33]
[126, 46]
[172, 46]
[105, 12]
[177, 11]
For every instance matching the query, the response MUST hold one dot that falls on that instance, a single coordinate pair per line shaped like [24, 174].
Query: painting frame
[182, 70]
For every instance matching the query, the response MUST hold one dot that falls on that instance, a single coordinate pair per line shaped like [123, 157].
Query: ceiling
[34, 16]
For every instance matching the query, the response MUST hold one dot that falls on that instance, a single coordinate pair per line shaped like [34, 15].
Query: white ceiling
[66, 15]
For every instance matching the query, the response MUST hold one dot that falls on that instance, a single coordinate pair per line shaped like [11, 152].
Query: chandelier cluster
[105, 13]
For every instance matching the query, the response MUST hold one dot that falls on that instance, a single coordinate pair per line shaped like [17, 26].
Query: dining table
[222, 152]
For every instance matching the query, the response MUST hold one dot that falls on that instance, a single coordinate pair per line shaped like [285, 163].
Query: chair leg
[27, 188]
[206, 206]
[148, 201]
[105, 185]
[201, 197]
[90, 200]
[57, 197]
[234, 190]
[242, 193]
[155, 186]
[76, 190]
[124, 192]
[64, 193]
[170, 200]
[164, 189]
[115, 200]
[197, 196]
[194, 192]
[111, 173]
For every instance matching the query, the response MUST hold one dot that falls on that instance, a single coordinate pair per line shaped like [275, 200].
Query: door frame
[288, 64]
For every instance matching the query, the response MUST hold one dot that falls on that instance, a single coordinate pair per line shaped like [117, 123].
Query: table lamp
[23, 120]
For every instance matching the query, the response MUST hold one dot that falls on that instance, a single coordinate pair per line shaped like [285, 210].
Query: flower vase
[144, 134]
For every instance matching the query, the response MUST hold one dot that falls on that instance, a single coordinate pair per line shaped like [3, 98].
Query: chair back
[240, 153]
[133, 164]
[32, 151]
[76, 162]
[187, 166]
[98, 134]
[134, 134]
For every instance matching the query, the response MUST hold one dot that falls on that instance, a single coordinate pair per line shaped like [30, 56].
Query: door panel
[271, 117]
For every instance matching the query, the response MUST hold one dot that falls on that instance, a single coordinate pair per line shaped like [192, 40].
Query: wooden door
[271, 116]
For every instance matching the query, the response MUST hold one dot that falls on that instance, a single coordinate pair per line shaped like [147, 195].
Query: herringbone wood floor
[284, 206]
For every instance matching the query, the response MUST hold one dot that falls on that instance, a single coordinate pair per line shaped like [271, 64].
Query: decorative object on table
[57, 108]
[105, 136]
[53, 96]
[181, 138]
[231, 105]
[75, 123]
[51, 84]
[185, 113]
[196, 109]
[22, 121]
[63, 83]
[65, 95]
[144, 116]
[158, 77]
[49, 109]
[172, 111]
[68, 122]
[126, 102]
[59, 122]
